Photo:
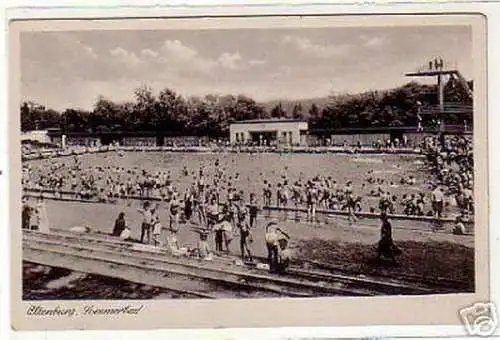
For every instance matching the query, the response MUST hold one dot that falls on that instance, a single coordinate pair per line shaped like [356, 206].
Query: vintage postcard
[249, 172]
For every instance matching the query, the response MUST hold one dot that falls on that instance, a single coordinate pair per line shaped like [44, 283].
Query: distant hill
[322, 102]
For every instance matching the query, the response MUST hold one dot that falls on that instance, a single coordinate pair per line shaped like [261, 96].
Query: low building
[269, 131]
[39, 136]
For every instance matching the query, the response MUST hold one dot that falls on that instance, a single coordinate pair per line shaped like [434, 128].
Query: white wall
[36, 135]
[241, 132]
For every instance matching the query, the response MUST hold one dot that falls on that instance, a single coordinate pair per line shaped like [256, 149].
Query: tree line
[169, 113]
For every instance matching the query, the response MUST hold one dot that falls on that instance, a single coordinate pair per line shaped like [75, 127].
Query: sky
[71, 69]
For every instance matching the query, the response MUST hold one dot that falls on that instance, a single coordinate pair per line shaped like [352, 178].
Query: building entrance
[263, 138]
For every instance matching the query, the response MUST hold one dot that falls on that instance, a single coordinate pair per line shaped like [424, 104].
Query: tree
[277, 111]
[36, 117]
[27, 118]
[75, 120]
[314, 113]
[297, 111]
[246, 108]
[212, 114]
[144, 108]
[169, 113]
[106, 115]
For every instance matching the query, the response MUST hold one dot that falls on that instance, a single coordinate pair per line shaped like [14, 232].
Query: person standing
[174, 210]
[267, 198]
[188, 204]
[42, 220]
[212, 213]
[272, 245]
[437, 202]
[386, 245]
[264, 195]
[219, 235]
[245, 236]
[27, 214]
[200, 199]
[147, 220]
[350, 202]
[312, 198]
[157, 231]
[253, 210]
[278, 195]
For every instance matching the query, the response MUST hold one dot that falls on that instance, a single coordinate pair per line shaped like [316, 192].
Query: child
[459, 228]
[157, 229]
[203, 249]
[173, 244]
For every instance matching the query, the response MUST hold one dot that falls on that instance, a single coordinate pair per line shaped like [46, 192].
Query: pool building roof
[269, 120]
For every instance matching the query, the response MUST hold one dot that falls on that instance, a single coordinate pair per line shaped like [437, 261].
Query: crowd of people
[195, 187]
[213, 200]
[224, 223]
[452, 163]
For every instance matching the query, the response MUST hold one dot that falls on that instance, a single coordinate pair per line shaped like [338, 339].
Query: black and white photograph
[247, 163]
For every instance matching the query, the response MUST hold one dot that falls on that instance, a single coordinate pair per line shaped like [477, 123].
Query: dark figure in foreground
[120, 225]
[386, 247]
[253, 210]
